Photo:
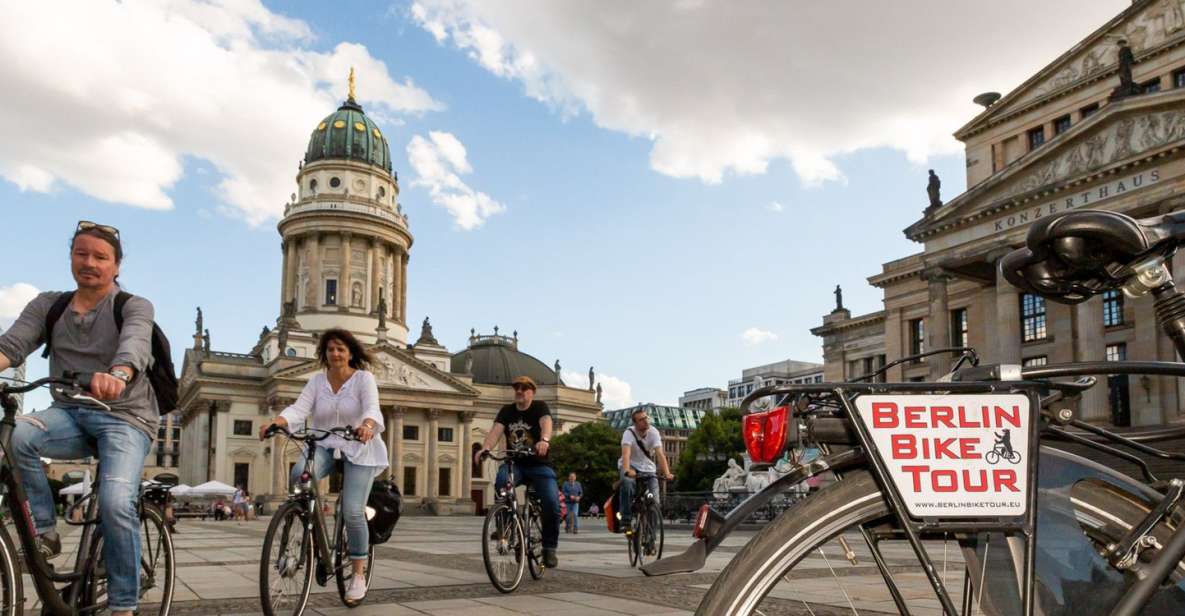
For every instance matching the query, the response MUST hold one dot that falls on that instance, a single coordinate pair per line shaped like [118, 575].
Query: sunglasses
[86, 225]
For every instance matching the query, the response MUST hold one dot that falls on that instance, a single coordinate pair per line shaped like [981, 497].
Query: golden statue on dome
[351, 97]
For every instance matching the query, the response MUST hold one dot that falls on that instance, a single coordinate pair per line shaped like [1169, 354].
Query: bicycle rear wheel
[157, 572]
[503, 548]
[343, 564]
[286, 569]
[535, 541]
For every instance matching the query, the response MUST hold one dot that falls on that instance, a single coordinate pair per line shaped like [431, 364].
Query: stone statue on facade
[599, 392]
[426, 333]
[592, 378]
[382, 310]
[1127, 59]
[934, 191]
[282, 339]
[838, 298]
[199, 321]
[557, 367]
[356, 294]
[469, 363]
[206, 342]
[264, 332]
[289, 309]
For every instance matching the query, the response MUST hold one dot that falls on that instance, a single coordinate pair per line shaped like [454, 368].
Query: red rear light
[701, 522]
[766, 434]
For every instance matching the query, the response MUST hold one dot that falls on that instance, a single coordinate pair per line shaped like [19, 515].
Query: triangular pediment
[1118, 135]
[1148, 26]
[394, 368]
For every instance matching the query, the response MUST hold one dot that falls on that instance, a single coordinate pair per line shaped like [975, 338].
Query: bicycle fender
[720, 526]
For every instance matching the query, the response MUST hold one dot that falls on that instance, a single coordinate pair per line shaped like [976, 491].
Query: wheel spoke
[838, 582]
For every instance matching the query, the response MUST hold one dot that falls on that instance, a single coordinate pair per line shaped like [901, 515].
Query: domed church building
[345, 243]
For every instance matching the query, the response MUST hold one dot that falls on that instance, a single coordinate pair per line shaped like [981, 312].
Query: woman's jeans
[542, 478]
[71, 433]
[356, 484]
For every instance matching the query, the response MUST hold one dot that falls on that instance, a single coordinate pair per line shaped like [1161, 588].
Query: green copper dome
[348, 133]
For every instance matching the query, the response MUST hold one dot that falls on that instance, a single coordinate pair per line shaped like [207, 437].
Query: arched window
[477, 466]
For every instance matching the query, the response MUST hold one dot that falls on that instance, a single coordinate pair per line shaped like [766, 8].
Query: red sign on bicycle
[953, 455]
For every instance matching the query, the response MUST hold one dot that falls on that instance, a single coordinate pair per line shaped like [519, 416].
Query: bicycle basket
[385, 501]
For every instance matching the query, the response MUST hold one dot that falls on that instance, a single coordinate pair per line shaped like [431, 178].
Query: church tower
[345, 237]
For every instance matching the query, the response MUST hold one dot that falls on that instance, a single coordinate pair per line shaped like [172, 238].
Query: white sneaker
[356, 591]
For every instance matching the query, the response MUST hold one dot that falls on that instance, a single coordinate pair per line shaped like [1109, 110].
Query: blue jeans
[628, 487]
[70, 433]
[542, 478]
[573, 521]
[356, 484]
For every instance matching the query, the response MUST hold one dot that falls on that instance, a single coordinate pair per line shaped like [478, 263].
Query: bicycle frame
[310, 501]
[64, 603]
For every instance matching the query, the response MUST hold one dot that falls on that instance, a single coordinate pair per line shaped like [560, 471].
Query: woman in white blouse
[345, 394]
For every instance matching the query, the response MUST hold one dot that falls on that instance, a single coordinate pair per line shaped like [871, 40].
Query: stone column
[292, 265]
[314, 250]
[403, 289]
[938, 322]
[285, 253]
[1089, 346]
[1007, 330]
[397, 282]
[376, 260]
[395, 445]
[433, 464]
[466, 456]
[895, 345]
[344, 288]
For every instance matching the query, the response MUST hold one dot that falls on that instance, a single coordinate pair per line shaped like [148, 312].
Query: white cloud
[724, 87]
[13, 300]
[615, 392]
[438, 162]
[774, 206]
[110, 100]
[755, 336]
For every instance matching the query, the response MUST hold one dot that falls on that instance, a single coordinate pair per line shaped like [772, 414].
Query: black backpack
[386, 501]
[161, 374]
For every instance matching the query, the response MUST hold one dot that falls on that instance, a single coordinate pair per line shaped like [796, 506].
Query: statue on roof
[838, 298]
[199, 321]
[592, 377]
[382, 310]
[1127, 59]
[599, 391]
[206, 342]
[264, 332]
[934, 189]
[351, 96]
[469, 363]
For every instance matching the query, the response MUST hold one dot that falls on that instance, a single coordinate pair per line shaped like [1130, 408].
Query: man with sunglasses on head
[641, 446]
[527, 424]
[86, 339]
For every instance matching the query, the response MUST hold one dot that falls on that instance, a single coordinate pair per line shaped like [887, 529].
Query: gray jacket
[91, 343]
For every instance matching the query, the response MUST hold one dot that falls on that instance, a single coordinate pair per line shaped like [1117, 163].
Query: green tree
[590, 450]
[708, 449]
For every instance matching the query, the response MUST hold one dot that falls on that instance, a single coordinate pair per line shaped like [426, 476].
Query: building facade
[704, 399]
[1101, 127]
[778, 373]
[674, 423]
[345, 246]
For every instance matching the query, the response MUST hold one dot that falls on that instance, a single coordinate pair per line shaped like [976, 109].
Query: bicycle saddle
[1076, 255]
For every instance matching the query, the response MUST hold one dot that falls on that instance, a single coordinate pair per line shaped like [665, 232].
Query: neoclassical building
[345, 245]
[1101, 127]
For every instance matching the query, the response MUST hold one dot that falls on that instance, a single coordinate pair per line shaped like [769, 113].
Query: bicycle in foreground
[1049, 533]
[297, 547]
[644, 540]
[512, 534]
[82, 589]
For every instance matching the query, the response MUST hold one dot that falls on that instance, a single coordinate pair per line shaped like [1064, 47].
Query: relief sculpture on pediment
[1124, 139]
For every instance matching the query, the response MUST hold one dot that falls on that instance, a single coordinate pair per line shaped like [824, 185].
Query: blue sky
[628, 240]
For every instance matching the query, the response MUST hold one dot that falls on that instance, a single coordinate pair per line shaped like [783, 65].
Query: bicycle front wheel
[286, 569]
[10, 576]
[157, 569]
[503, 548]
[343, 565]
[650, 542]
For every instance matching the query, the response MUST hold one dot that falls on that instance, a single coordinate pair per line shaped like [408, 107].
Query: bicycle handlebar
[312, 435]
[72, 380]
[509, 453]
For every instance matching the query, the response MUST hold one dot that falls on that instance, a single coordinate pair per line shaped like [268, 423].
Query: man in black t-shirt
[527, 425]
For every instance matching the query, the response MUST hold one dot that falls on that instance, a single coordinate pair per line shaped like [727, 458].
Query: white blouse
[356, 401]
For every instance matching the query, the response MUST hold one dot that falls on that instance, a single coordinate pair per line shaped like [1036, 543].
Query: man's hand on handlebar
[365, 432]
[481, 455]
[106, 387]
[669, 477]
[631, 473]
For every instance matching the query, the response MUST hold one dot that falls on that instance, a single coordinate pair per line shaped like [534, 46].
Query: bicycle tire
[535, 542]
[286, 524]
[153, 553]
[992, 457]
[652, 539]
[11, 582]
[1014, 458]
[800, 530]
[341, 562]
[631, 539]
[503, 530]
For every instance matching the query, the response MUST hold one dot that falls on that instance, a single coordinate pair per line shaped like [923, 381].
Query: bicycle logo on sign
[1002, 449]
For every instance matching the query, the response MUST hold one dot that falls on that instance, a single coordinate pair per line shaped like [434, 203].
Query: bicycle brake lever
[85, 398]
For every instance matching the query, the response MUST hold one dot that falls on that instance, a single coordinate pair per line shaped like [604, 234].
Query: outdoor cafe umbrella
[211, 488]
[180, 490]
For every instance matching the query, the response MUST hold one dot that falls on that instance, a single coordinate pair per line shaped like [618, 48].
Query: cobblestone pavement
[434, 566]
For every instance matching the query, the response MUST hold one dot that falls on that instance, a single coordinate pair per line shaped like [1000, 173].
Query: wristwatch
[121, 375]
